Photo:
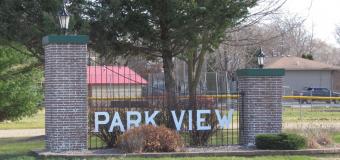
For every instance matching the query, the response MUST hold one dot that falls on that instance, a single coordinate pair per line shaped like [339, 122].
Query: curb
[45, 154]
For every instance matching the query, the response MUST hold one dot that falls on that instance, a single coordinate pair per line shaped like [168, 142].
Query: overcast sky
[323, 15]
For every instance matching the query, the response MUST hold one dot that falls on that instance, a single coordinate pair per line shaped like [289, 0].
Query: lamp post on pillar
[261, 108]
[66, 113]
[64, 18]
[260, 58]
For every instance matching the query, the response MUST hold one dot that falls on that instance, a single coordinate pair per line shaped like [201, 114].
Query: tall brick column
[261, 108]
[65, 93]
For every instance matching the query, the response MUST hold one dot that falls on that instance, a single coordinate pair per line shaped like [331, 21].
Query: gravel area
[190, 152]
[219, 148]
[115, 151]
[102, 152]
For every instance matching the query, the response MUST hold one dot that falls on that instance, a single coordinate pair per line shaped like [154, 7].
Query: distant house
[114, 82]
[301, 73]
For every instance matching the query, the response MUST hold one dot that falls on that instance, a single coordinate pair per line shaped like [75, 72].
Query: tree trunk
[170, 88]
[194, 74]
[168, 65]
[198, 138]
[191, 83]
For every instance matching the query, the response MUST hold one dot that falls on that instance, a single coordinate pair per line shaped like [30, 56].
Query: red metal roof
[113, 75]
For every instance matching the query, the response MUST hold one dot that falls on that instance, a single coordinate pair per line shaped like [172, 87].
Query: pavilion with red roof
[114, 82]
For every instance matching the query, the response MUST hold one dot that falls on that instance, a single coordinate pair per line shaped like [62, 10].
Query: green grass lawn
[336, 137]
[36, 121]
[236, 158]
[311, 114]
[19, 149]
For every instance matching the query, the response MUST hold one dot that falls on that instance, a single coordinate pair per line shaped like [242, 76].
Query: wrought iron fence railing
[116, 90]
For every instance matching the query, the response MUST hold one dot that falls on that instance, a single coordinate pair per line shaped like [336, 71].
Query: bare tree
[337, 33]
[326, 53]
[277, 35]
[197, 57]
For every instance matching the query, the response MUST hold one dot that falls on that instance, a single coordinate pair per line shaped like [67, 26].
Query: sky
[322, 16]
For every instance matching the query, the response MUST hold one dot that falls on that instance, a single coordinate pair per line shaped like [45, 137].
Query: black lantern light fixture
[64, 18]
[260, 58]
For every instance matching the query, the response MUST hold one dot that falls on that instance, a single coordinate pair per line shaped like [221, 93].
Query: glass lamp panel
[67, 20]
[62, 21]
[260, 60]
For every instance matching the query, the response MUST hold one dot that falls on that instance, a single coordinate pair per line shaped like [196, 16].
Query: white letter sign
[179, 122]
[131, 121]
[224, 121]
[116, 121]
[97, 122]
[200, 120]
[135, 118]
[150, 120]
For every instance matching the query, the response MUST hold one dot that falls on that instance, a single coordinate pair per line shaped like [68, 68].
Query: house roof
[113, 75]
[297, 63]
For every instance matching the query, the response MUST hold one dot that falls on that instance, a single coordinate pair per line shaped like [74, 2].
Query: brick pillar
[261, 108]
[65, 93]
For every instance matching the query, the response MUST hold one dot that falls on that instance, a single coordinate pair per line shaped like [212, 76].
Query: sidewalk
[21, 133]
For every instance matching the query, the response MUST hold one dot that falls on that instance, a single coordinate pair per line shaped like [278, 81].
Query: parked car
[316, 91]
[155, 88]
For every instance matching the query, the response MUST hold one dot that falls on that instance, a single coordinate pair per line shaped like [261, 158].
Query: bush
[318, 135]
[281, 141]
[148, 138]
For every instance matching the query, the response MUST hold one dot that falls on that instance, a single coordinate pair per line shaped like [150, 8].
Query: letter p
[97, 122]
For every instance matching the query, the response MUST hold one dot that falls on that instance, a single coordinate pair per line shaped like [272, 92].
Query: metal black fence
[116, 89]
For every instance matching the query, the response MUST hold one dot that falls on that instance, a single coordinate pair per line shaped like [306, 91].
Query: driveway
[21, 133]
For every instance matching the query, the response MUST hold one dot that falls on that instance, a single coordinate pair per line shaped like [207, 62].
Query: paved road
[21, 133]
[314, 104]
